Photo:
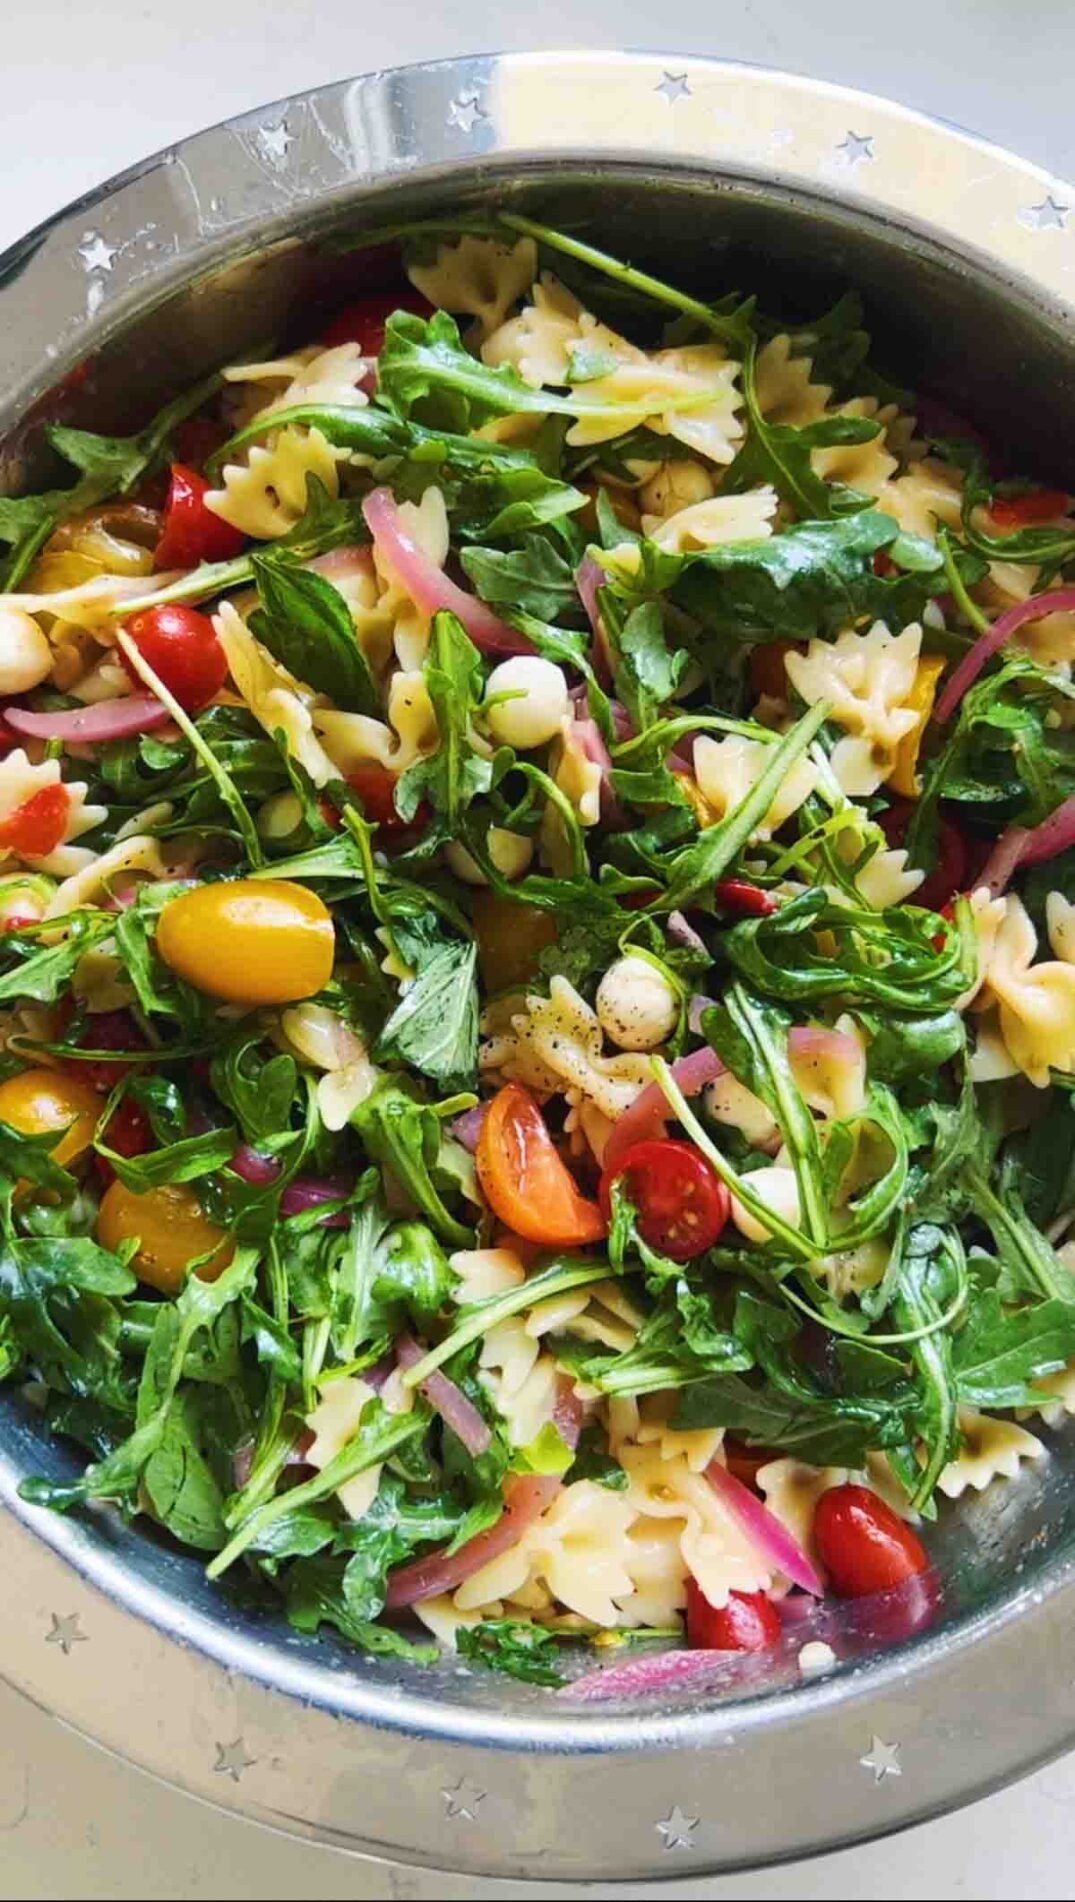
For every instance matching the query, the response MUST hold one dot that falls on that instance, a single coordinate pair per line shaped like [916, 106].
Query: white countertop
[90, 89]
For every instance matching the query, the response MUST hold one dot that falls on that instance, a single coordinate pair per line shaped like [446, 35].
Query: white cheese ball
[25, 655]
[777, 1189]
[534, 718]
[637, 1007]
[510, 852]
[280, 815]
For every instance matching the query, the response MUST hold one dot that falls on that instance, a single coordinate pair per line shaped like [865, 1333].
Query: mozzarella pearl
[510, 852]
[534, 718]
[778, 1190]
[25, 655]
[637, 1007]
[280, 815]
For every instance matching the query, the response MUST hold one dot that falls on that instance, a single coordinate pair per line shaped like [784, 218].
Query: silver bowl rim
[1013, 235]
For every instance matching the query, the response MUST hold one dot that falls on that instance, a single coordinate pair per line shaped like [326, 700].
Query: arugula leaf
[182, 1161]
[884, 958]
[306, 624]
[1001, 1351]
[928, 1255]
[824, 1433]
[434, 1027]
[533, 578]
[512, 1646]
[315, 1595]
[396, 1129]
[780, 453]
[179, 1481]
[259, 1090]
[646, 670]
[455, 773]
[44, 972]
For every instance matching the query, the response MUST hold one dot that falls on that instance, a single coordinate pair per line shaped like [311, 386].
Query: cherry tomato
[364, 321]
[37, 1101]
[883, 563]
[682, 1203]
[748, 1622]
[197, 438]
[863, 1545]
[182, 648]
[192, 533]
[172, 1230]
[107, 1030]
[1022, 511]
[128, 1132]
[950, 872]
[37, 827]
[376, 787]
[249, 940]
[738, 895]
[523, 1179]
[510, 938]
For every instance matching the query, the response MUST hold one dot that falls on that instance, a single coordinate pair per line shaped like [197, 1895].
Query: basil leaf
[306, 624]
[434, 1026]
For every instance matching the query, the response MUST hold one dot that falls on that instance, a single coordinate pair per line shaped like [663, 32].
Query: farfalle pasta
[537, 970]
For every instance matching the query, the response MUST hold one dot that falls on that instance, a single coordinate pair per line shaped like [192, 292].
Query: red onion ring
[658, 1671]
[254, 1167]
[467, 1128]
[307, 1192]
[431, 590]
[109, 720]
[1054, 601]
[589, 577]
[448, 1400]
[1028, 845]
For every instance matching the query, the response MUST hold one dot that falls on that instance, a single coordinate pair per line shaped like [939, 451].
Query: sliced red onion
[696, 1010]
[254, 1167]
[589, 577]
[448, 1400]
[568, 1413]
[308, 1192]
[656, 1672]
[429, 587]
[1054, 601]
[588, 737]
[1004, 860]
[340, 564]
[649, 1114]
[1028, 845]
[108, 720]
[813, 1041]
[772, 1539]
[526, 1497]
[467, 1128]
[682, 932]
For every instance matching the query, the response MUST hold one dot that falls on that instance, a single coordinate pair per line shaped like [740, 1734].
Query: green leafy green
[306, 624]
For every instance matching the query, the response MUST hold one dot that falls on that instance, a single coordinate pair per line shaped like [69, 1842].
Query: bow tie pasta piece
[353, 739]
[278, 701]
[689, 393]
[578, 1549]
[645, 1423]
[559, 1036]
[478, 277]
[1035, 1002]
[1057, 1390]
[784, 385]
[727, 769]
[312, 375]
[724, 518]
[885, 879]
[791, 1489]
[854, 1269]
[99, 874]
[266, 495]
[867, 678]
[992, 1449]
[21, 782]
[334, 1423]
[713, 1547]
[930, 492]
[867, 466]
[674, 486]
[89, 606]
[426, 522]
[540, 342]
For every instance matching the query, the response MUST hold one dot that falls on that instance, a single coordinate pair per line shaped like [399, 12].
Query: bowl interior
[947, 323]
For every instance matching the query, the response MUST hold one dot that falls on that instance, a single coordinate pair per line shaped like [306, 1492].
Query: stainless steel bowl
[725, 176]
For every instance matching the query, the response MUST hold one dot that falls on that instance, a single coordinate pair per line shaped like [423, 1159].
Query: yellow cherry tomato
[172, 1230]
[903, 778]
[249, 941]
[510, 937]
[36, 1101]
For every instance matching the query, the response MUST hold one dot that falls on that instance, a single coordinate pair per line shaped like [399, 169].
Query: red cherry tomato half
[37, 827]
[748, 1622]
[364, 321]
[182, 648]
[376, 787]
[197, 438]
[739, 895]
[192, 533]
[682, 1203]
[863, 1545]
[1022, 511]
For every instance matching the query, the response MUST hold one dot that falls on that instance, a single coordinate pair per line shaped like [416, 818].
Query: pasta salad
[537, 977]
